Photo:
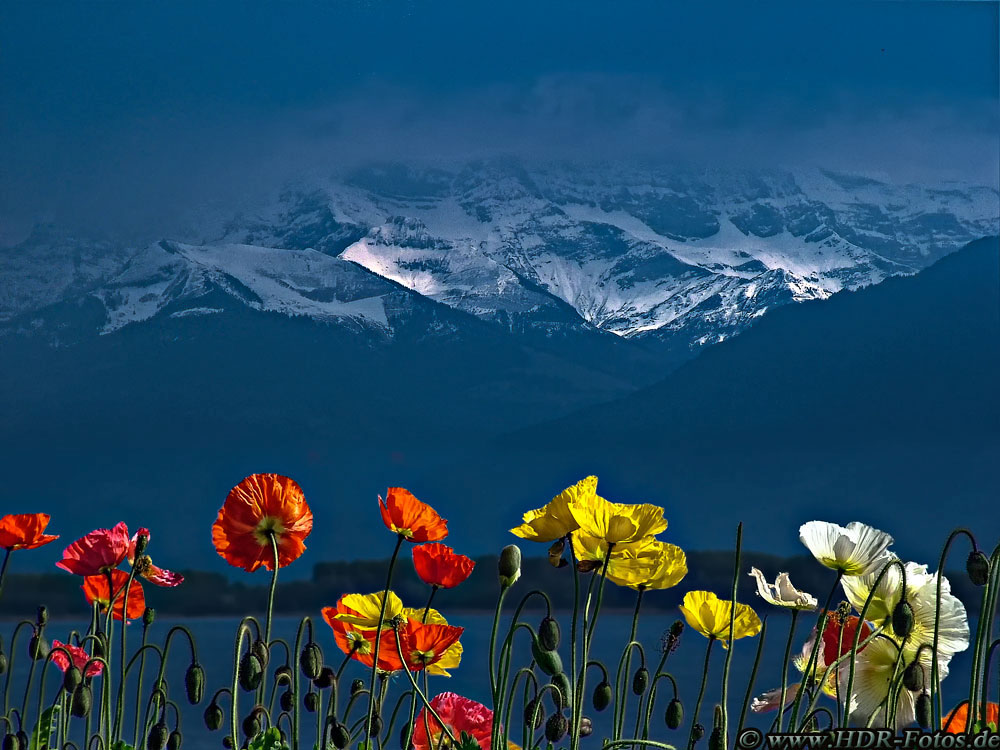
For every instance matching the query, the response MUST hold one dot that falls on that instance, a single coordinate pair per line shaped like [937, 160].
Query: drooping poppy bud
[311, 660]
[923, 710]
[534, 713]
[640, 681]
[38, 647]
[311, 702]
[602, 695]
[10, 742]
[548, 661]
[227, 742]
[565, 695]
[978, 567]
[250, 672]
[357, 685]
[72, 678]
[3, 661]
[404, 736]
[157, 737]
[287, 700]
[376, 726]
[250, 725]
[260, 650]
[42, 616]
[902, 619]
[283, 674]
[509, 565]
[22, 739]
[913, 676]
[83, 699]
[556, 727]
[174, 740]
[675, 714]
[548, 633]
[325, 679]
[214, 716]
[194, 683]
[340, 736]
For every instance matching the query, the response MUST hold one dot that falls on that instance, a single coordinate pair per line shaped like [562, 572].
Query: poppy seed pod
[556, 727]
[586, 727]
[602, 695]
[42, 616]
[340, 736]
[311, 660]
[38, 647]
[83, 699]
[923, 710]
[548, 634]
[174, 740]
[548, 661]
[311, 702]
[565, 696]
[675, 714]
[72, 679]
[148, 616]
[214, 716]
[325, 679]
[902, 619]
[978, 567]
[287, 701]
[194, 683]
[534, 713]
[250, 672]
[157, 737]
[509, 565]
[913, 676]
[640, 681]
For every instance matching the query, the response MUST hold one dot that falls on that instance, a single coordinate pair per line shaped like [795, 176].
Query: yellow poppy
[452, 657]
[656, 565]
[555, 521]
[709, 615]
[617, 523]
[365, 609]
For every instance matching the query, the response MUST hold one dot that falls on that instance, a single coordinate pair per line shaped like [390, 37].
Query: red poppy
[80, 659]
[838, 636]
[438, 565]
[957, 721]
[144, 565]
[413, 520]
[95, 589]
[421, 645]
[459, 715]
[260, 507]
[24, 531]
[99, 551]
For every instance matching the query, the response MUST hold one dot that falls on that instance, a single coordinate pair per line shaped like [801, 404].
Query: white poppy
[769, 701]
[889, 589]
[782, 593]
[853, 550]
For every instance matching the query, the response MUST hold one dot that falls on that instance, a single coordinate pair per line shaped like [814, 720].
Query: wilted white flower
[853, 550]
[769, 701]
[782, 593]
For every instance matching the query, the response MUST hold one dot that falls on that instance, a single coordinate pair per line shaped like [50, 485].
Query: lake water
[214, 638]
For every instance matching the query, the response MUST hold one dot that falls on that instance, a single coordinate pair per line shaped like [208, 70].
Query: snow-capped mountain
[656, 255]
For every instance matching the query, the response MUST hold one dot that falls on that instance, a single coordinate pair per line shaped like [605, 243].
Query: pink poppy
[97, 552]
[80, 659]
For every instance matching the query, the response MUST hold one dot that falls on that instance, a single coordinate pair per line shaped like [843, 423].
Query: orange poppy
[259, 507]
[352, 639]
[413, 520]
[421, 646]
[956, 721]
[95, 589]
[438, 565]
[24, 531]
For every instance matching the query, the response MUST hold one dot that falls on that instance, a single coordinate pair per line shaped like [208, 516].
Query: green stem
[624, 665]
[378, 634]
[784, 669]
[753, 675]
[732, 633]
[701, 694]
[3, 569]
[817, 647]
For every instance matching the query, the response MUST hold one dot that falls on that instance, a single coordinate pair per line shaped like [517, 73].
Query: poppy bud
[509, 565]
[586, 727]
[716, 741]
[141, 540]
[404, 736]
[311, 661]
[3, 661]
[38, 647]
[284, 674]
[157, 737]
[548, 634]
[565, 695]
[548, 661]
[42, 616]
[250, 725]
[174, 740]
[227, 742]
[287, 701]
[148, 615]
[357, 685]
[22, 739]
[534, 713]
[978, 567]
[556, 727]
[902, 619]
[602, 695]
[72, 679]
[675, 714]
[325, 679]
[260, 650]
[913, 676]
[640, 681]
[311, 701]
[923, 710]
[250, 672]
[340, 736]
[214, 716]
[376, 726]
[10, 742]
[194, 683]
[83, 699]
[98, 647]
[697, 732]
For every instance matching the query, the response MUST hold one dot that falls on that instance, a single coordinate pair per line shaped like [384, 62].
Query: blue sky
[123, 115]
